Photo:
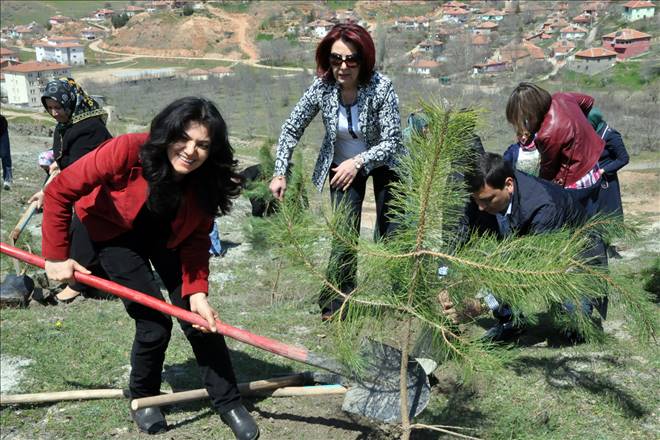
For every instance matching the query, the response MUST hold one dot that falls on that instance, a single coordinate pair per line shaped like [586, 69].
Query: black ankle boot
[241, 423]
[150, 420]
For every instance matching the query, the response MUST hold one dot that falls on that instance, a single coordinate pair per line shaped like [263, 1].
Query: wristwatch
[358, 162]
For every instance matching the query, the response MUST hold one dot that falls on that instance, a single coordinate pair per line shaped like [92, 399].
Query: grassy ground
[622, 76]
[550, 391]
[24, 12]
[150, 63]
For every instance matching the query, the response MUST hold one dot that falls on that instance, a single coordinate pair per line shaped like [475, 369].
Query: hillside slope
[168, 34]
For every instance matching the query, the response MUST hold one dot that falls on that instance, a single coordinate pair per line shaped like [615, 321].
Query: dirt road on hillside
[240, 25]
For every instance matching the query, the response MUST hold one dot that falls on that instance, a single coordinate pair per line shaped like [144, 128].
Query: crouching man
[513, 202]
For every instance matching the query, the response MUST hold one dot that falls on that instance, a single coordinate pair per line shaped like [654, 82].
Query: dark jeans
[82, 250]
[126, 260]
[588, 198]
[5, 157]
[342, 267]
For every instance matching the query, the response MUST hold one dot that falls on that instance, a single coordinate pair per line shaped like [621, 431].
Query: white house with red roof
[582, 20]
[132, 10]
[592, 61]
[485, 28]
[432, 48]
[8, 55]
[561, 48]
[627, 43]
[26, 32]
[637, 10]
[422, 67]
[455, 15]
[91, 33]
[490, 66]
[221, 71]
[103, 14]
[26, 82]
[63, 50]
[320, 27]
[572, 33]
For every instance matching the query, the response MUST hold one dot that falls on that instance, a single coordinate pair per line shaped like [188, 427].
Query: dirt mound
[171, 35]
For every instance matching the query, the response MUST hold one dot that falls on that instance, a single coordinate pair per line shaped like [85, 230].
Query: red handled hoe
[375, 394]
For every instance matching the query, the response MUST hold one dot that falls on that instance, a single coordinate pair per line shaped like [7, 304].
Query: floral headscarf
[73, 99]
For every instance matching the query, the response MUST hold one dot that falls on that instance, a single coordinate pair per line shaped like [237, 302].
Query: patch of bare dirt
[640, 192]
[168, 35]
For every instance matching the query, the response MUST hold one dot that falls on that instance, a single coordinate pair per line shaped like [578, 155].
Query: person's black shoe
[150, 420]
[241, 423]
[328, 312]
[502, 331]
[613, 253]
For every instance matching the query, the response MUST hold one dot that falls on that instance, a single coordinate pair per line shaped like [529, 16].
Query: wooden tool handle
[245, 389]
[59, 396]
[22, 222]
[188, 396]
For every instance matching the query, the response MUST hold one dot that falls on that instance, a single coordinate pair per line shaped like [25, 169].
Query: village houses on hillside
[26, 82]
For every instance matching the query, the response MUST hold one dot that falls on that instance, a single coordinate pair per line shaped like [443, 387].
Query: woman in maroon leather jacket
[568, 145]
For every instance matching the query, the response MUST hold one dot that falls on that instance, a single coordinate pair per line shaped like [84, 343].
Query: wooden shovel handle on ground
[189, 396]
[278, 386]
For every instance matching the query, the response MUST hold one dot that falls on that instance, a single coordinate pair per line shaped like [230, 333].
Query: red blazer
[108, 191]
[568, 144]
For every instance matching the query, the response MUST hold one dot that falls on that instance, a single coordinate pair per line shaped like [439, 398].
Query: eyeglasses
[351, 61]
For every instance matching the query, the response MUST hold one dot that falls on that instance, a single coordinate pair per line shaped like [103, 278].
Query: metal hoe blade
[378, 395]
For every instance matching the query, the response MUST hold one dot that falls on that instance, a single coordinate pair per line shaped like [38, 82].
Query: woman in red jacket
[568, 145]
[150, 199]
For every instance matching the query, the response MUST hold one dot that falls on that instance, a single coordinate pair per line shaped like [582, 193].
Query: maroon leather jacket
[568, 144]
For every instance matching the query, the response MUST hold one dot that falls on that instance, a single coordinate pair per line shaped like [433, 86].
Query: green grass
[234, 6]
[26, 55]
[625, 75]
[336, 5]
[24, 12]
[264, 37]
[401, 9]
[152, 63]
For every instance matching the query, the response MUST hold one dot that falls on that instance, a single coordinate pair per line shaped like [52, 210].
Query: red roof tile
[639, 4]
[572, 30]
[596, 52]
[35, 66]
[627, 34]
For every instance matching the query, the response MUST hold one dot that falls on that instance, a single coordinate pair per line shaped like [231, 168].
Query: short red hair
[356, 35]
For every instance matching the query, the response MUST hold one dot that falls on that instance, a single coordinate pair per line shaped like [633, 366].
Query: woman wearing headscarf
[612, 159]
[80, 129]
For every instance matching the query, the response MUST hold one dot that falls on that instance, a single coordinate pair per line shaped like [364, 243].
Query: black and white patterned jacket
[379, 122]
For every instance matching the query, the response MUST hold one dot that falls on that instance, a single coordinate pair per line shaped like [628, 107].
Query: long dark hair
[215, 182]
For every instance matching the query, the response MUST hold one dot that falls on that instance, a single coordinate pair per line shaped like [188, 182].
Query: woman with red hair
[360, 111]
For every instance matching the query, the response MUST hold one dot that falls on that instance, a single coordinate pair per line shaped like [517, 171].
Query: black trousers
[126, 260]
[342, 267]
[82, 250]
